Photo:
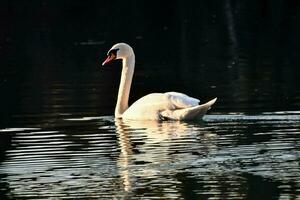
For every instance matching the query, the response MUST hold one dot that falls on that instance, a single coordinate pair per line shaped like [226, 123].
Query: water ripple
[227, 156]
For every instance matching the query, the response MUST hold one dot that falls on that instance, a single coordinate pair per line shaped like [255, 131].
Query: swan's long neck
[125, 84]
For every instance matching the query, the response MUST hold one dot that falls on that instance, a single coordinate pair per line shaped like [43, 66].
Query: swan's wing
[192, 113]
[180, 100]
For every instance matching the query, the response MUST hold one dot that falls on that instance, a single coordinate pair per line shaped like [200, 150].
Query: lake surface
[59, 140]
[227, 156]
[60, 143]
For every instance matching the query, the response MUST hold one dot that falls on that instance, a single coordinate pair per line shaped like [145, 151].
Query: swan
[154, 106]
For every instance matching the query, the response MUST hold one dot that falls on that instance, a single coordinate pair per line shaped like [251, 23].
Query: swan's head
[118, 51]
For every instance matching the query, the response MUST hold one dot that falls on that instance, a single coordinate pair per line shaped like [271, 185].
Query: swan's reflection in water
[157, 147]
[177, 159]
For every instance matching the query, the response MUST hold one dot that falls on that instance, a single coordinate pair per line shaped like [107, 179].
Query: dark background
[244, 52]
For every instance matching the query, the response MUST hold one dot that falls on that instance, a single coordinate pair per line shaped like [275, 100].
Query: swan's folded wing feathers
[196, 112]
[180, 100]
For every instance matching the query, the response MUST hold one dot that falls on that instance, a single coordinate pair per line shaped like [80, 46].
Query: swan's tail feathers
[210, 103]
[192, 113]
[197, 112]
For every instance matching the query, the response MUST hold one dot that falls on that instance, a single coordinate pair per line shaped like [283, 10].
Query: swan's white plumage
[151, 106]
[155, 106]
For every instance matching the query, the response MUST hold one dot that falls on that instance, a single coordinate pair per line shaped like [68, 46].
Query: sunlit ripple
[98, 157]
[17, 129]
[292, 116]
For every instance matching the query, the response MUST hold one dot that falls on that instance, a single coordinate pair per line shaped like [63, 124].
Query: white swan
[155, 106]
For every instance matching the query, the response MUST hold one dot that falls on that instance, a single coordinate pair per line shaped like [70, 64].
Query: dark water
[59, 140]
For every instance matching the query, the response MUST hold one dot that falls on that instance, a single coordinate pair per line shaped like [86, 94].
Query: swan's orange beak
[108, 59]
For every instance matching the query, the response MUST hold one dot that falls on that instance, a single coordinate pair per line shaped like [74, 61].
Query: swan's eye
[113, 52]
